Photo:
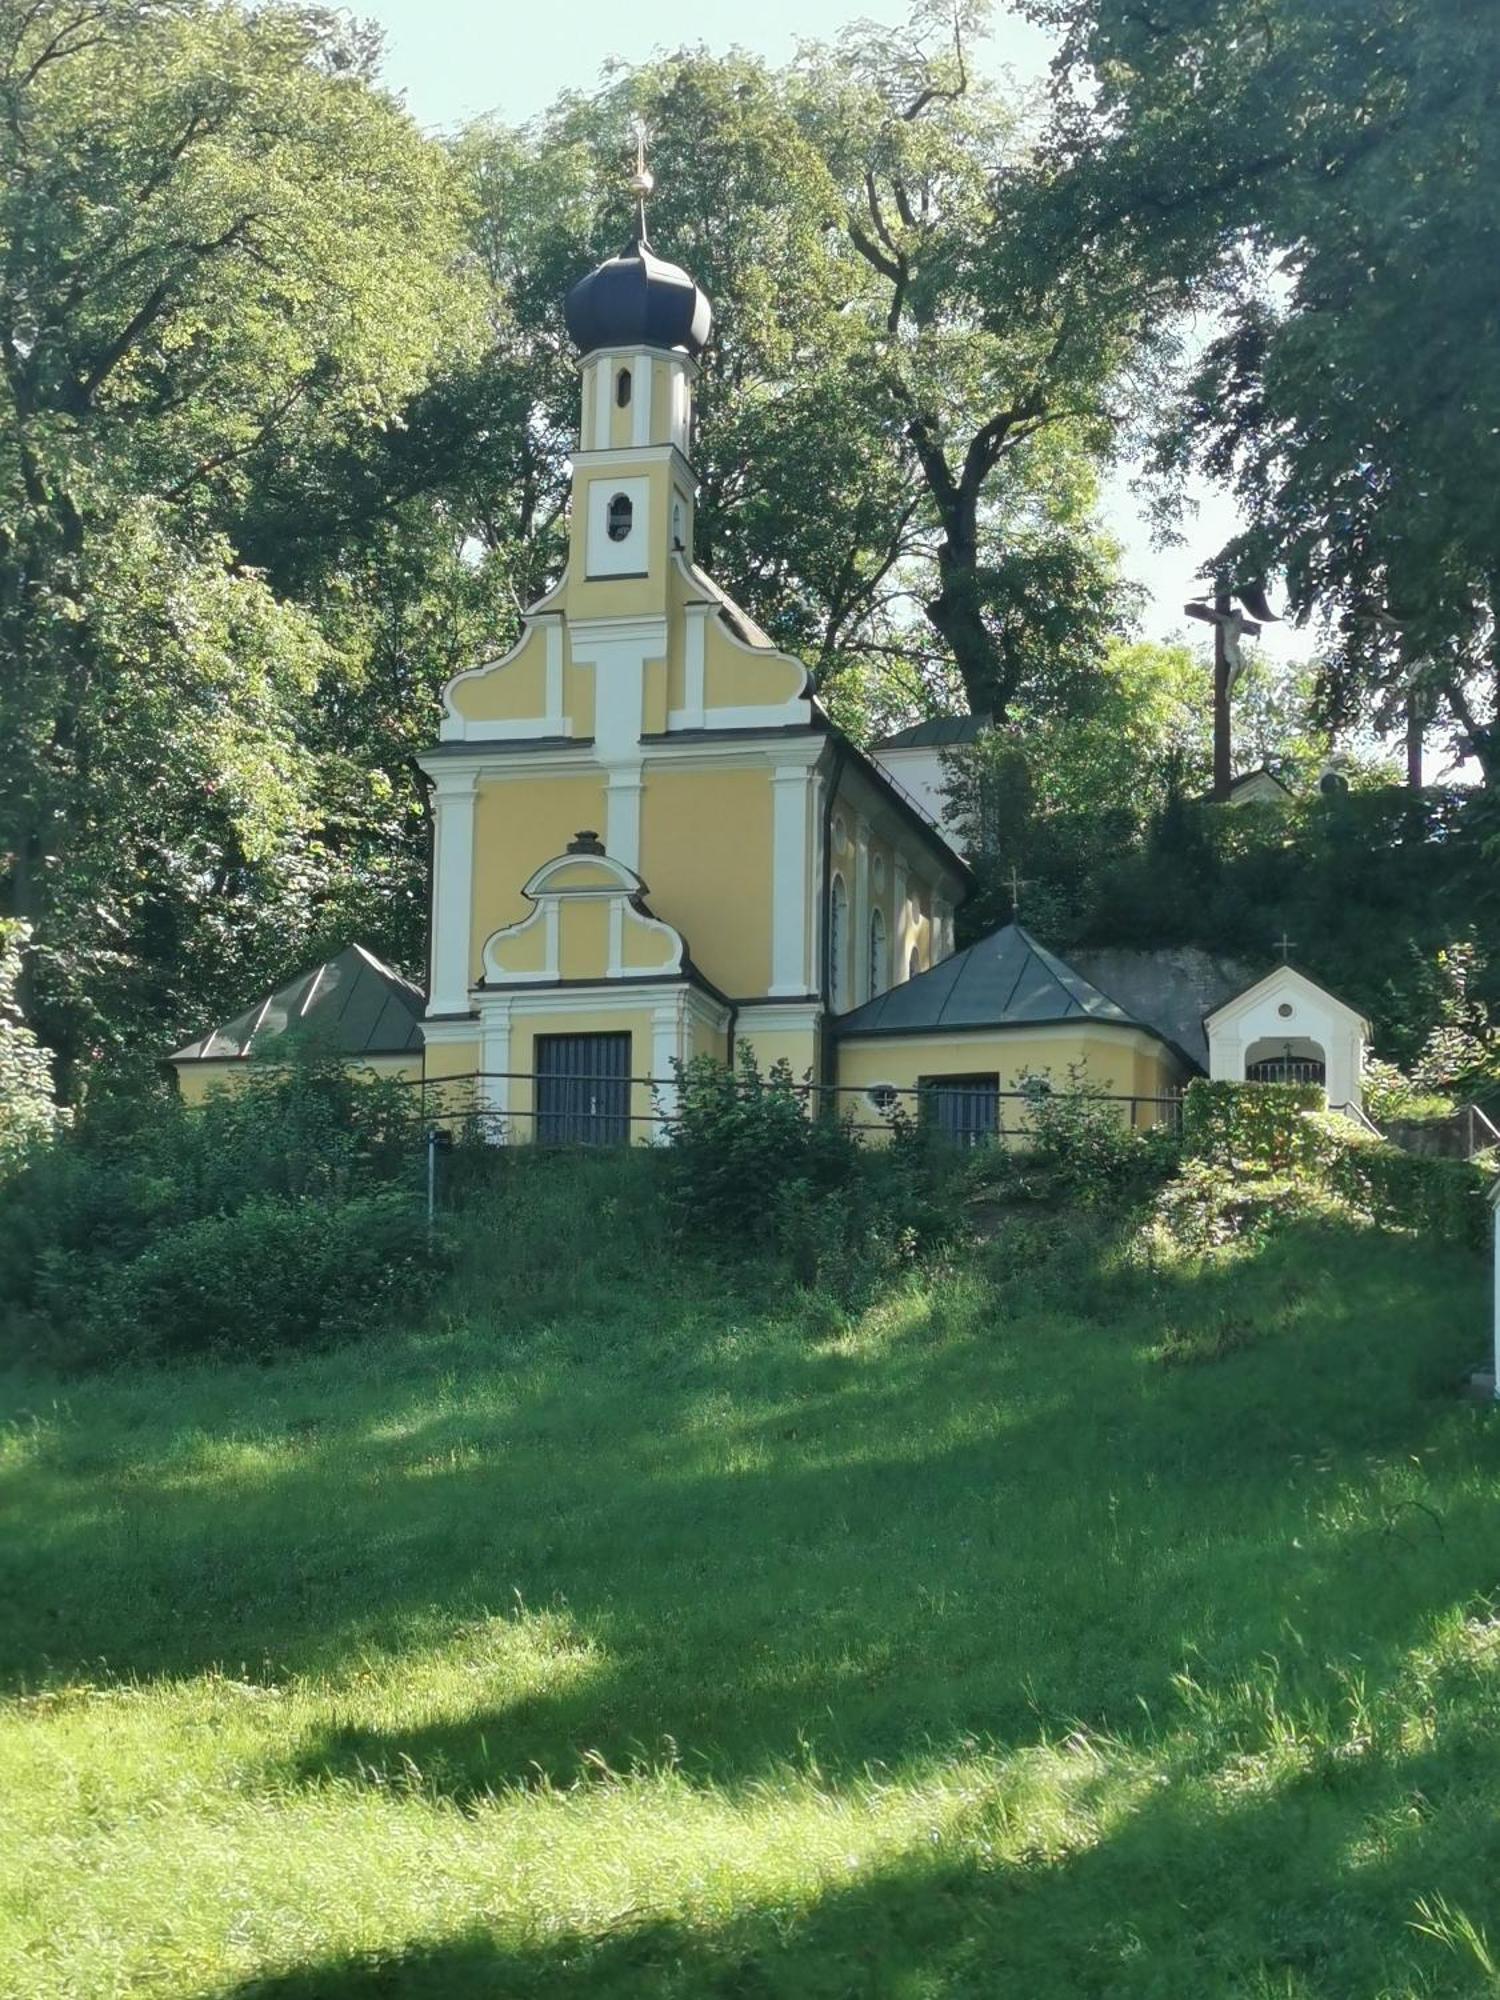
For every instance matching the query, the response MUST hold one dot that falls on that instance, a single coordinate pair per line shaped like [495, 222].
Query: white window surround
[603, 555]
[880, 970]
[838, 944]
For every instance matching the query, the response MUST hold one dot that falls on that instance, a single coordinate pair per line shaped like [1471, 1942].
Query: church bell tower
[640, 324]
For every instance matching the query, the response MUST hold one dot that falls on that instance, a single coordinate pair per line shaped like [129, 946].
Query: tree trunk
[957, 616]
[1413, 741]
[1223, 732]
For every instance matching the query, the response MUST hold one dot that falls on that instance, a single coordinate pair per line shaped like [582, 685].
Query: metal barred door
[965, 1109]
[583, 1090]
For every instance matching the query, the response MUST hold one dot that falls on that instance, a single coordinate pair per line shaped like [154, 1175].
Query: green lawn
[1067, 1625]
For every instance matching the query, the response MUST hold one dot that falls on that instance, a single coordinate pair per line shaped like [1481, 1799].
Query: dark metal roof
[362, 1005]
[638, 300]
[1007, 980]
[938, 732]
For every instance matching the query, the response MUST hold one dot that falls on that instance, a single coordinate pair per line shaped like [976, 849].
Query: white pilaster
[694, 649]
[554, 689]
[603, 403]
[642, 375]
[622, 816]
[668, 1045]
[494, 1060]
[859, 982]
[899, 945]
[791, 791]
[618, 649]
[453, 801]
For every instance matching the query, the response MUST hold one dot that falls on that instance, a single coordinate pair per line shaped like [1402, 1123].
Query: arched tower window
[880, 975]
[838, 942]
[619, 518]
[913, 963]
[622, 387]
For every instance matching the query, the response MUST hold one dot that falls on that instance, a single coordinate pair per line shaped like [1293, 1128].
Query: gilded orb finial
[642, 180]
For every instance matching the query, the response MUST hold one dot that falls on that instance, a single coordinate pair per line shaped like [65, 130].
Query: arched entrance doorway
[1297, 1060]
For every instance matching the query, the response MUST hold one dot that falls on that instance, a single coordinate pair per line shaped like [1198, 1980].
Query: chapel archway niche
[1296, 1059]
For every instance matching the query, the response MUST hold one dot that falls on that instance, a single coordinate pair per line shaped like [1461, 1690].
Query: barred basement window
[621, 515]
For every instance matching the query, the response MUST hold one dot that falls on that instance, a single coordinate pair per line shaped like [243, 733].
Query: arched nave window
[879, 958]
[838, 943]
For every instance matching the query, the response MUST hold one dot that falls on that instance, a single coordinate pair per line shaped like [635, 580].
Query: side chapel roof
[361, 1004]
[1005, 980]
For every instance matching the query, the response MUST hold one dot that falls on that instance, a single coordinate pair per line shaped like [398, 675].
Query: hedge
[1262, 1125]
[1284, 1128]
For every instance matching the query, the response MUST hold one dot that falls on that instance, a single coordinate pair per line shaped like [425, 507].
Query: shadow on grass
[736, 1539]
[1308, 1889]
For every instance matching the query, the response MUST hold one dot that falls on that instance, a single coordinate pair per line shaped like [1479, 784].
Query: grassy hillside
[1073, 1623]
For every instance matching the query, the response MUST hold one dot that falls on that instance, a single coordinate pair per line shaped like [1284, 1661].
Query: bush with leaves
[758, 1168]
[1083, 1149]
[28, 1109]
[1263, 1127]
[274, 1274]
[1390, 1094]
[156, 1228]
[1438, 1197]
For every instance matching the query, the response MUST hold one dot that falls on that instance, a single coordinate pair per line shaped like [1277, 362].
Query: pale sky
[454, 60]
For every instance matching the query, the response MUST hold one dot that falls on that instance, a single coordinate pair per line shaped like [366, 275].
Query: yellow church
[652, 843]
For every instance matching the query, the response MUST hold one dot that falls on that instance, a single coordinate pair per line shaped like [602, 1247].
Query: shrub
[272, 1274]
[1261, 1126]
[1083, 1150]
[1401, 1190]
[756, 1169]
[1389, 1094]
[28, 1110]
[745, 1151]
[137, 1228]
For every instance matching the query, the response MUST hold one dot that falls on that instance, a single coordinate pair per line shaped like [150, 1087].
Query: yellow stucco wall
[450, 1059]
[583, 944]
[798, 1046]
[705, 1040]
[706, 857]
[514, 691]
[195, 1080]
[1123, 1061]
[518, 824]
[736, 677]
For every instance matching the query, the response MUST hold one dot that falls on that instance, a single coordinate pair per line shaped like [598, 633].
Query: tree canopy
[1334, 165]
[287, 409]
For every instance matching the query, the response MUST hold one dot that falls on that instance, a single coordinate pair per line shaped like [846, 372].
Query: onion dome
[638, 300]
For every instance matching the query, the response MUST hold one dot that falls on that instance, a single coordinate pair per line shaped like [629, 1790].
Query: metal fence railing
[602, 1106]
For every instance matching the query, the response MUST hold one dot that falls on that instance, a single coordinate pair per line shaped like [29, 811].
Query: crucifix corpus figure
[1231, 628]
